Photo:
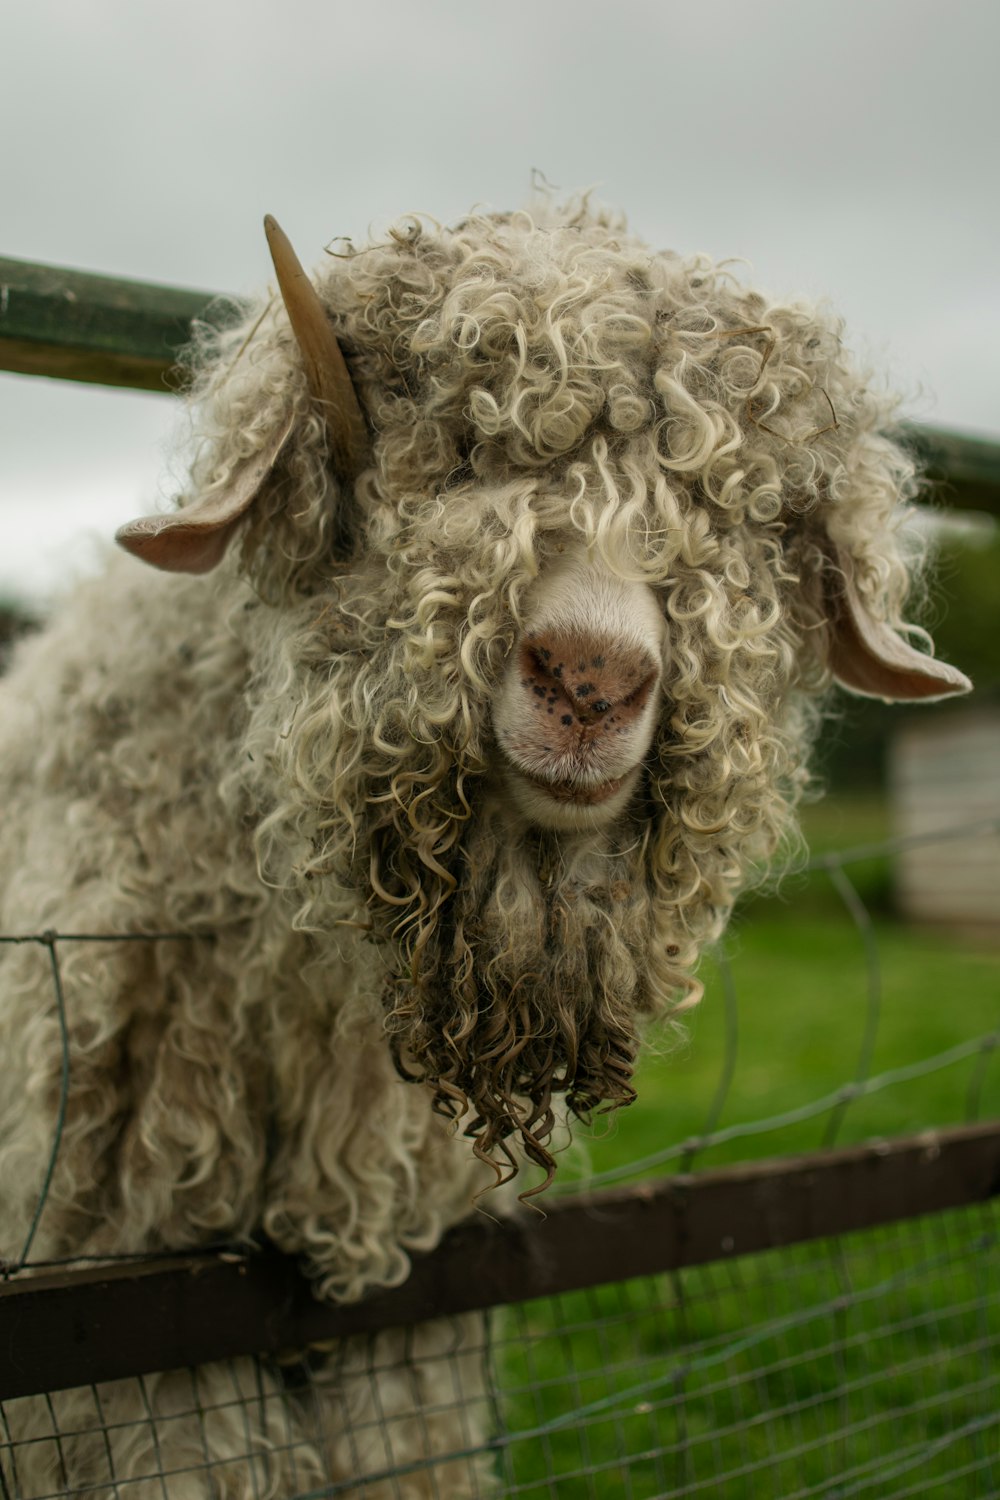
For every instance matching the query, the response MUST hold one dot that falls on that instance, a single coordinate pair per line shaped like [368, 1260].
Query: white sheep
[478, 679]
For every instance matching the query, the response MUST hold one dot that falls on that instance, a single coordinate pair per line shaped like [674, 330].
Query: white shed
[944, 773]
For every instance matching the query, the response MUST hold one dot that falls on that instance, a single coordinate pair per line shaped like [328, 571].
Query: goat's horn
[326, 370]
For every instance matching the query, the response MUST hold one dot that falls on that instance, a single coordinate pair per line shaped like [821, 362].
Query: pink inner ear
[869, 658]
[175, 548]
[194, 539]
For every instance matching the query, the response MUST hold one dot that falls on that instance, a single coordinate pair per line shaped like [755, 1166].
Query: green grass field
[870, 1366]
[801, 992]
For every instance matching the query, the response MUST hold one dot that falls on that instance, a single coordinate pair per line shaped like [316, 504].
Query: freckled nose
[586, 682]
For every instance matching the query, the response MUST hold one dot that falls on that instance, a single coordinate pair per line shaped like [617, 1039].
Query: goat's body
[149, 809]
[446, 775]
[229, 1079]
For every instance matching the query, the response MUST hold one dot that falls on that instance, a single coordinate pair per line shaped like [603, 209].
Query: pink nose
[587, 684]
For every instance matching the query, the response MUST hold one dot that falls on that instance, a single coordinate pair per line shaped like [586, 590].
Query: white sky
[850, 150]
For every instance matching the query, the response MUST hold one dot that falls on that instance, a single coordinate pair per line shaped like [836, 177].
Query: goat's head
[566, 579]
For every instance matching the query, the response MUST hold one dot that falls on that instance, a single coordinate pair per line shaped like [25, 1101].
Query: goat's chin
[560, 807]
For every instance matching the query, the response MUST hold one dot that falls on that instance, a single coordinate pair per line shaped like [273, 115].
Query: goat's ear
[194, 539]
[868, 657]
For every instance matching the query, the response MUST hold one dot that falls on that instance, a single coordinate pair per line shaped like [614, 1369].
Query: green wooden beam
[964, 472]
[75, 326]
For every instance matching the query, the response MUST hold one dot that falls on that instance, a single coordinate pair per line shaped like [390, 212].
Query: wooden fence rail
[88, 1325]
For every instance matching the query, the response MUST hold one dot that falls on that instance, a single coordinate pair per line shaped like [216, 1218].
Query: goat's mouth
[574, 793]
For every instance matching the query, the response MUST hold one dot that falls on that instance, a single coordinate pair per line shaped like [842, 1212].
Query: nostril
[586, 680]
[536, 660]
[636, 699]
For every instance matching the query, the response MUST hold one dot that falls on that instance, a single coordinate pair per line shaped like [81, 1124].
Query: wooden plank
[75, 326]
[91, 1325]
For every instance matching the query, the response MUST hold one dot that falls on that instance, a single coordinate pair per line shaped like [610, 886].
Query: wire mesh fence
[255, 1428]
[862, 1364]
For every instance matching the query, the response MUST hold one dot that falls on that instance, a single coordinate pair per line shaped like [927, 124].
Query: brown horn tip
[326, 370]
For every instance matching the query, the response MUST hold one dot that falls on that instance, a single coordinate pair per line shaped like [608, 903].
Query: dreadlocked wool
[320, 763]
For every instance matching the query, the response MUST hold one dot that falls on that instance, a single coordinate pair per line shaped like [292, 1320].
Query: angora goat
[479, 677]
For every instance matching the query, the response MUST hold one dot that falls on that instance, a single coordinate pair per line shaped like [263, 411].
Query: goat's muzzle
[575, 714]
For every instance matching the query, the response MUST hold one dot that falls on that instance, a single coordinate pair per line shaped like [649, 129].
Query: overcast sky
[849, 150]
